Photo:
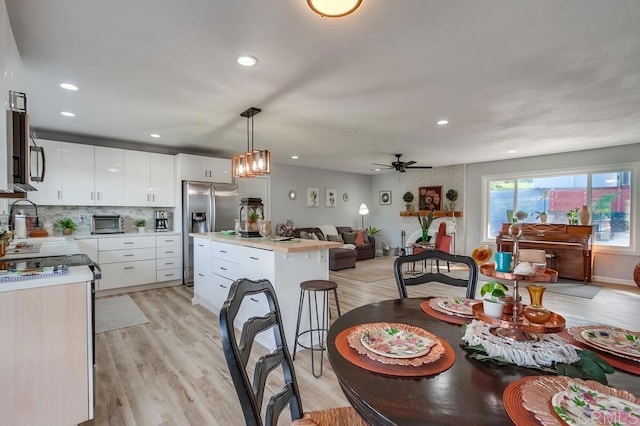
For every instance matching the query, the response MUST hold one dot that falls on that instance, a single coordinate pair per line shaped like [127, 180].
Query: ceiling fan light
[333, 8]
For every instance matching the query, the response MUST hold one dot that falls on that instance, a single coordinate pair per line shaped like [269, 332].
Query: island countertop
[296, 245]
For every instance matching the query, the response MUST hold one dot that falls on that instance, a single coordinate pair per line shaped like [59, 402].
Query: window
[606, 193]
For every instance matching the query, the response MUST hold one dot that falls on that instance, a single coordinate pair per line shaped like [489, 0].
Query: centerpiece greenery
[425, 224]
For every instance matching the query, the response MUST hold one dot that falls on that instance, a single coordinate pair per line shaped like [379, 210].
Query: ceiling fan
[401, 166]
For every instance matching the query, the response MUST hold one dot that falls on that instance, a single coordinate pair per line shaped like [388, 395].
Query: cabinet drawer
[168, 241]
[115, 256]
[228, 252]
[169, 263]
[116, 275]
[164, 252]
[253, 306]
[119, 243]
[168, 275]
[226, 269]
[257, 264]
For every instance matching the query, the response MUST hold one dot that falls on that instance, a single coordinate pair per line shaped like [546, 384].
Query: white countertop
[76, 274]
[49, 246]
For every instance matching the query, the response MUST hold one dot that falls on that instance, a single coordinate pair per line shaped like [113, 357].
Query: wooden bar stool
[319, 328]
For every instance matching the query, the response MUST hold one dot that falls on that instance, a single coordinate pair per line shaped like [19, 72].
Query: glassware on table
[264, 228]
[535, 312]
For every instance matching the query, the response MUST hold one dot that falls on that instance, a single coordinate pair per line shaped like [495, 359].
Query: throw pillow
[305, 235]
[349, 246]
[359, 238]
[337, 238]
[314, 236]
[328, 230]
[349, 237]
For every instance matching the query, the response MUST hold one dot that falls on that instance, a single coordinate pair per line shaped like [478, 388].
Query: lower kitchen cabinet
[127, 274]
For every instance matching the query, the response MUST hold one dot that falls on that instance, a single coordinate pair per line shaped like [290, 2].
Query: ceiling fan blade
[384, 165]
[419, 167]
[409, 163]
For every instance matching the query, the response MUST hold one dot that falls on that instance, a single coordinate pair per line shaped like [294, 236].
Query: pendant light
[254, 162]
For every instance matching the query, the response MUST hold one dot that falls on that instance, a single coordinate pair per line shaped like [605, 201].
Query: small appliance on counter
[162, 221]
[107, 224]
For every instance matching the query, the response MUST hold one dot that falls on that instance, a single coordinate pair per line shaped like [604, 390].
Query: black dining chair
[470, 282]
[237, 353]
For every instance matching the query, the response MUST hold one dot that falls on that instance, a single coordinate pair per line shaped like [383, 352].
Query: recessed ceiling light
[247, 60]
[295, 157]
[154, 135]
[443, 122]
[67, 114]
[513, 151]
[69, 86]
[376, 170]
[352, 131]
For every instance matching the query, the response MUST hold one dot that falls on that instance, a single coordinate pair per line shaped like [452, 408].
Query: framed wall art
[430, 198]
[385, 198]
[312, 197]
[330, 198]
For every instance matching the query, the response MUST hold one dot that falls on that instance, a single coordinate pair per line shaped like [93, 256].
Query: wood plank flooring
[172, 371]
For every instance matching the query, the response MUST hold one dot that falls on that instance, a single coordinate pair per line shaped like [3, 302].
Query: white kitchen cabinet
[127, 274]
[204, 169]
[108, 176]
[149, 179]
[49, 191]
[168, 258]
[88, 246]
[203, 279]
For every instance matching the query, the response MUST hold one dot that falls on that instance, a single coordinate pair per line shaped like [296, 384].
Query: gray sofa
[342, 258]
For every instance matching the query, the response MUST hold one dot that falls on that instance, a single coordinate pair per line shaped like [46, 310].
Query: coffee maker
[162, 220]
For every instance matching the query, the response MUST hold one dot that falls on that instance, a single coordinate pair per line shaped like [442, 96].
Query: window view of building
[550, 199]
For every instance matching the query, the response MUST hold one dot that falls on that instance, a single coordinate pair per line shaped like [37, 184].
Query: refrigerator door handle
[211, 220]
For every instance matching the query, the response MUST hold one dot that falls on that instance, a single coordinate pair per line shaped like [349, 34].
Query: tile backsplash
[81, 215]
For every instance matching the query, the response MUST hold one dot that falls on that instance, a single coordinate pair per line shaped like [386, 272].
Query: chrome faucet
[11, 216]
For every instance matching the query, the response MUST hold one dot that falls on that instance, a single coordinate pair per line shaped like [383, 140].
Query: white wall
[615, 268]
[285, 178]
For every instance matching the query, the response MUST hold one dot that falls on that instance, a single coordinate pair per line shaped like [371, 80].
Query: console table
[568, 247]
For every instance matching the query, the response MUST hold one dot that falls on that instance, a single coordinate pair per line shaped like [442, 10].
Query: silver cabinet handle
[91, 195]
[201, 275]
[200, 245]
[168, 275]
[148, 197]
[59, 195]
[223, 251]
[223, 286]
[153, 197]
[168, 263]
[254, 299]
[254, 258]
[128, 255]
[170, 241]
[128, 267]
[129, 242]
[205, 173]
[169, 251]
[98, 193]
[223, 268]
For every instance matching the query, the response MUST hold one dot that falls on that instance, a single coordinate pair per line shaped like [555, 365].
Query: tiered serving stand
[514, 325]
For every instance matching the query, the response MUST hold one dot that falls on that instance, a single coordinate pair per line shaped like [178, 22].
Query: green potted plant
[140, 224]
[572, 216]
[67, 225]
[252, 219]
[5, 238]
[452, 196]
[408, 198]
[493, 294]
[541, 215]
[425, 224]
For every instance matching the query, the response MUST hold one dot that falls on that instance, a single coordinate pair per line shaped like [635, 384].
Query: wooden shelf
[439, 213]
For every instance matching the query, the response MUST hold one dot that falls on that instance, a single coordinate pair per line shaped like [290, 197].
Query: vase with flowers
[452, 196]
[425, 224]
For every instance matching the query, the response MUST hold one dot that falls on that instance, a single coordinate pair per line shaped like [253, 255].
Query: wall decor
[312, 197]
[292, 195]
[330, 198]
[429, 198]
[385, 198]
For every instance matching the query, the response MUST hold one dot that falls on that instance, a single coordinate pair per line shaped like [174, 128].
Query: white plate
[396, 342]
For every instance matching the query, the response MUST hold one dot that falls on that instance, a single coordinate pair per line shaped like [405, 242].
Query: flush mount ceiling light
[443, 122]
[333, 8]
[247, 60]
[154, 135]
[69, 86]
[67, 114]
[253, 162]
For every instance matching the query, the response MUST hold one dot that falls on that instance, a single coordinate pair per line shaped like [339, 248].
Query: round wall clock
[292, 195]
[345, 197]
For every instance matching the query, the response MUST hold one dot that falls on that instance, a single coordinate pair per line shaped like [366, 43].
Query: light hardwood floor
[172, 371]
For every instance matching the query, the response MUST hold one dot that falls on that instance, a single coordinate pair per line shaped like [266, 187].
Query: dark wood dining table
[468, 393]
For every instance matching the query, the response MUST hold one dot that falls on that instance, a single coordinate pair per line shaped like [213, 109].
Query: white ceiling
[535, 76]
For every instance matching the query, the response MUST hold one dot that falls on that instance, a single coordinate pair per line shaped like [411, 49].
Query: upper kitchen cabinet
[149, 179]
[204, 169]
[109, 176]
[11, 78]
[50, 189]
[77, 174]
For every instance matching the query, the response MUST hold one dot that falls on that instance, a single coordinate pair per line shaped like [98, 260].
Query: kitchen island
[219, 260]
[46, 336]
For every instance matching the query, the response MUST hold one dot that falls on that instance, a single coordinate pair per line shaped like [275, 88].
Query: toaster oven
[107, 224]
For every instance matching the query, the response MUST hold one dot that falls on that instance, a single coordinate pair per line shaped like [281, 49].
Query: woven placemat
[620, 363]
[452, 319]
[512, 401]
[442, 364]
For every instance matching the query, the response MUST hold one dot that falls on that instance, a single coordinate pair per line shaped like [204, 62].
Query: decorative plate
[434, 354]
[615, 340]
[458, 305]
[539, 396]
[228, 232]
[579, 405]
[395, 341]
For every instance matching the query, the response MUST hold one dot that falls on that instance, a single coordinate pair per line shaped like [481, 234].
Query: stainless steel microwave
[107, 224]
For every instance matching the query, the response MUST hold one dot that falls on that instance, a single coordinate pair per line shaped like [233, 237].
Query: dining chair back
[443, 243]
[237, 353]
[470, 282]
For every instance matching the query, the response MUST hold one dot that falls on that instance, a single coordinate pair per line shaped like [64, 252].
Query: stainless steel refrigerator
[206, 207]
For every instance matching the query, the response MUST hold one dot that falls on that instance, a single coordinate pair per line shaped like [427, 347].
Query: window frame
[631, 249]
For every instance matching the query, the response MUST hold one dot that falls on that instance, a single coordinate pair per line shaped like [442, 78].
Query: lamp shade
[333, 8]
[363, 209]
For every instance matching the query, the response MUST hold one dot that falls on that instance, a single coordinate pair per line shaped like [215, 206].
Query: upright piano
[567, 247]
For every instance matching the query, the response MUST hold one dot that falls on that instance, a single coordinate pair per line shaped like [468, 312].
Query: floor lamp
[363, 211]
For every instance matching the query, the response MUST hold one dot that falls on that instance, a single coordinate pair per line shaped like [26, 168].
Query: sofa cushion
[349, 237]
[348, 246]
[328, 230]
[337, 238]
